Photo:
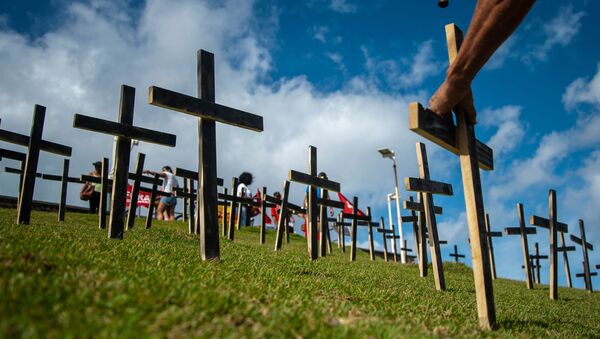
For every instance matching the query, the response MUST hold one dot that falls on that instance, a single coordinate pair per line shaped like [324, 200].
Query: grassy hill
[68, 279]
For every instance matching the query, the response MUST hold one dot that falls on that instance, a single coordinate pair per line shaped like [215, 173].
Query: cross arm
[428, 186]
[184, 173]
[19, 156]
[409, 218]
[273, 200]
[384, 230]
[357, 217]
[310, 180]
[578, 241]
[517, 230]
[581, 275]
[132, 132]
[158, 193]
[13, 170]
[443, 132]
[235, 198]
[493, 234]
[295, 208]
[203, 109]
[51, 177]
[415, 206]
[543, 222]
[565, 249]
[23, 140]
[533, 256]
[367, 223]
[330, 203]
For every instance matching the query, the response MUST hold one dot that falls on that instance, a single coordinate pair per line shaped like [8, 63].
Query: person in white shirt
[245, 180]
[166, 205]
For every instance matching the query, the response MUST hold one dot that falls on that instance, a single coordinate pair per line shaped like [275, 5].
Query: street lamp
[388, 153]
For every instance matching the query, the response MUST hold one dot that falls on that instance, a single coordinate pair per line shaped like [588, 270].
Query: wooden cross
[108, 184]
[190, 194]
[585, 246]
[208, 113]
[369, 224]
[235, 202]
[135, 191]
[421, 229]
[537, 257]
[393, 237]
[153, 194]
[125, 131]
[355, 217]
[554, 227]
[325, 239]
[456, 255]
[460, 140]
[523, 231]
[414, 220]
[341, 231]
[405, 248]
[184, 214]
[64, 179]
[18, 156]
[286, 207]
[489, 234]
[384, 232]
[34, 144]
[425, 185]
[314, 183]
[192, 176]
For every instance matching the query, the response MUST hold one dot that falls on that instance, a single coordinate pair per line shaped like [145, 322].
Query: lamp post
[387, 153]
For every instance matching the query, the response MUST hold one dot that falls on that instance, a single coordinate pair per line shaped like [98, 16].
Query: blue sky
[337, 74]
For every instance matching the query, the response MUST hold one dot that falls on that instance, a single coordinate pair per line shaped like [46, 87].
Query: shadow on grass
[522, 325]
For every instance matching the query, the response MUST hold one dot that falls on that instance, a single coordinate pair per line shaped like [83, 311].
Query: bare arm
[493, 22]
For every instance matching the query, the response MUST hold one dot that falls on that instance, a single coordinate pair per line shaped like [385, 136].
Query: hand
[453, 94]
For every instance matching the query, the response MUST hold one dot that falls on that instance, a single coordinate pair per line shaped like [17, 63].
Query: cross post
[421, 229]
[153, 195]
[489, 236]
[135, 191]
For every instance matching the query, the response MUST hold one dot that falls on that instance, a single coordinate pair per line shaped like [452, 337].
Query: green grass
[68, 279]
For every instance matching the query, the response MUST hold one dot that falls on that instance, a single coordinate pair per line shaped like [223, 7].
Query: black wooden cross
[428, 187]
[286, 208]
[154, 192]
[341, 227]
[456, 255]
[421, 229]
[460, 139]
[64, 180]
[189, 193]
[369, 224]
[523, 231]
[208, 112]
[405, 248]
[393, 237]
[537, 257]
[489, 235]
[355, 216]
[35, 144]
[235, 203]
[108, 184]
[585, 246]
[135, 191]
[20, 157]
[554, 227]
[324, 203]
[125, 131]
[384, 232]
[192, 176]
[314, 183]
[414, 220]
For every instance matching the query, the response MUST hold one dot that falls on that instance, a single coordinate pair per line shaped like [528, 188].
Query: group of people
[165, 209]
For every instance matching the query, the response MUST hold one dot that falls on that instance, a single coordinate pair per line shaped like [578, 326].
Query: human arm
[492, 23]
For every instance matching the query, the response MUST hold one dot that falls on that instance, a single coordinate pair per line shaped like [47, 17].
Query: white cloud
[320, 33]
[342, 6]
[406, 73]
[559, 31]
[510, 129]
[582, 91]
[338, 60]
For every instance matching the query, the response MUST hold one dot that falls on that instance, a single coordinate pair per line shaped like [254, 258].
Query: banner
[143, 198]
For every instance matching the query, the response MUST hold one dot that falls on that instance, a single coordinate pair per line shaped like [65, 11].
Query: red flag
[143, 198]
[258, 199]
[348, 207]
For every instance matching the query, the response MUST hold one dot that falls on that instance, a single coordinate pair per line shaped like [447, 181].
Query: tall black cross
[456, 255]
[421, 229]
[585, 246]
[393, 237]
[341, 227]
[414, 220]
[554, 227]
[355, 216]
[208, 112]
[125, 131]
[314, 183]
[64, 180]
[536, 257]
[428, 187]
[325, 239]
[523, 231]
[34, 144]
[404, 248]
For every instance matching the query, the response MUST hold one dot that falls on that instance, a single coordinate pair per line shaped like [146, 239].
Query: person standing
[243, 191]
[166, 205]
